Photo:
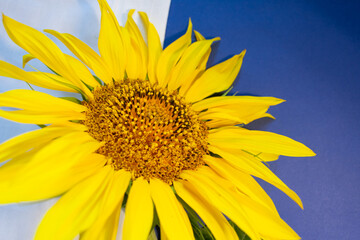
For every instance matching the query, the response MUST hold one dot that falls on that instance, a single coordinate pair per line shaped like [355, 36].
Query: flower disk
[146, 130]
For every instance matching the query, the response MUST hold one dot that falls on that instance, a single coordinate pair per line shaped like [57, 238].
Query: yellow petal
[111, 226]
[188, 63]
[172, 216]
[32, 117]
[228, 119]
[170, 56]
[220, 123]
[247, 165]
[27, 58]
[240, 138]
[139, 211]
[203, 62]
[22, 143]
[37, 101]
[110, 42]
[217, 223]
[28, 181]
[154, 47]
[79, 68]
[10, 169]
[85, 53]
[42, 48]
[82, 71]
[267, 223]
[109, 211]
[215, 79]
[77, 210]
[200, 68]
[244, 182]
[238, 109]
[139, 45]
[40, 79]
[198, 36]
[211, 189]
[134, 65]
[38, 107]
[233, 101]
[163, 234]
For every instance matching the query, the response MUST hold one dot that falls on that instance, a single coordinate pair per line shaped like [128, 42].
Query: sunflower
[149, 133]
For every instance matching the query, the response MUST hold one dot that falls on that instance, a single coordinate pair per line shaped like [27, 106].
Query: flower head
[148, 132]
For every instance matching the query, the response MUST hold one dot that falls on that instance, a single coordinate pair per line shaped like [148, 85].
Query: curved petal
[26, 181]
[109, 230]
[139, 211]
[109, 211]
[228, 118]
[266, 222]
[246, 103]
[110, 42]
[35, 117]
[221, 198]
[141, 52]
[217, 223]
[82, 71]
[172, 216]
[77, 210]
[243, 181]
[240, 138]
[37, 101]
[39, 107]
[239, 109]
[22, 143]
[133, 55]
[215, 79]
[42, 48]
[26, 59]
[257, 169]
[200, 68]
[154, 47]
[85, 54]
[192, 57]
[171, 55]
[44, 154]
[40, 79]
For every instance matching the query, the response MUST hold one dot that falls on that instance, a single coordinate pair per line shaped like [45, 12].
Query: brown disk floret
[147, 130]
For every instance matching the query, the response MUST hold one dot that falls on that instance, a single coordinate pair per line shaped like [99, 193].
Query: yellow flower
[149, 131]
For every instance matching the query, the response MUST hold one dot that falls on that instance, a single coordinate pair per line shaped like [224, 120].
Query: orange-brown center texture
[147, 130]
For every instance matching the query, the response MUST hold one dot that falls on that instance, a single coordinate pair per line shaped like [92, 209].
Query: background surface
[306, 52]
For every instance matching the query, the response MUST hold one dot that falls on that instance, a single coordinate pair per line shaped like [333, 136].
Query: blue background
[308, 53]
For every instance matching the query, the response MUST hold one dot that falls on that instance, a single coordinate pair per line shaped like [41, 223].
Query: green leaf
[198, 233]
[98, 80]
[88, 86]
[239, 232]
[201, 231]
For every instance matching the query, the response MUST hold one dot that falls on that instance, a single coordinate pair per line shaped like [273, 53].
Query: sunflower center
[147, 130]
